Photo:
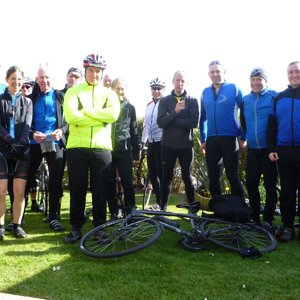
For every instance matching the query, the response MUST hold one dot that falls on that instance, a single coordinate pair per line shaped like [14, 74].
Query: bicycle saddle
[194, 207]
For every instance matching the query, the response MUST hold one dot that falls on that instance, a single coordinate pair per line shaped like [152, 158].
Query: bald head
[44, 78]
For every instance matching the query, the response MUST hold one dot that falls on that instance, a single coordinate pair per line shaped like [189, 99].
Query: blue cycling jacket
[219, 112]
[255, 110]
[284, 120]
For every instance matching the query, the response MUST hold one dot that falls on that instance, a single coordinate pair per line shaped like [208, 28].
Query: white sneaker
[155, 207]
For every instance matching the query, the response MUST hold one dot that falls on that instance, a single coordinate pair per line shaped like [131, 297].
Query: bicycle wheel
[235, 236]
[117, 238]
[42, 187]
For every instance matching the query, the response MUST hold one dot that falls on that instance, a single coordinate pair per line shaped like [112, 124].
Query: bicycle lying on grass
[141, 228]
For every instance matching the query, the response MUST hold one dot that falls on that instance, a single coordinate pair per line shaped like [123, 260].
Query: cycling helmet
[28, 80]
[94, 60]
[157, 82]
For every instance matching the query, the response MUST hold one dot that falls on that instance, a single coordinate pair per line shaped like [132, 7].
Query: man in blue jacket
[254, 118]
[283, 141]
[220, 128]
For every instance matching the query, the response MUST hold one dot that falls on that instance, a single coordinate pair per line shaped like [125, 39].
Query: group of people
[269, 130]
[91, 126]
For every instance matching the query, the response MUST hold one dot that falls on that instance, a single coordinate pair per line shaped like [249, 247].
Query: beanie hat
[259, 72]
[77, 70]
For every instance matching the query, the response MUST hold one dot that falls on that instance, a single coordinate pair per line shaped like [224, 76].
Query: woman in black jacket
[15, 122]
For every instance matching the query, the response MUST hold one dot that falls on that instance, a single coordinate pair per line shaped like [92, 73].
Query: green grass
[162, 271]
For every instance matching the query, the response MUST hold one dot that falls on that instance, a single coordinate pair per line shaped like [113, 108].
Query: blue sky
[145, 39]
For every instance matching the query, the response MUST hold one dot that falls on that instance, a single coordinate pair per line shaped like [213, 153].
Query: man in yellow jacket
[89, 109]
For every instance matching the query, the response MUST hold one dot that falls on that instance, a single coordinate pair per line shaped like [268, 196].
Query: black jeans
[85, 163]
[258, 163]
[226, 149]
[289, 171]
[186, 159]
[155, 168]
[54, 161]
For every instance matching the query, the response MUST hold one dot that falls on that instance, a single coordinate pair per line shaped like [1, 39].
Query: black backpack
[230, 208]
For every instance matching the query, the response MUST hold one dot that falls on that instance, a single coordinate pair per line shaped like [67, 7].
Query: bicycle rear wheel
[117, 238]
[235, 236]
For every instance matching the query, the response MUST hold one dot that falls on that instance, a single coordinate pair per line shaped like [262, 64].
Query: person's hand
[57, 134]
[273, 156]
[135, 162]
[180, 106]
[19, 150]
[39, 137]
[141, 146]
[9, 139]
[242, 145]
[202, 147]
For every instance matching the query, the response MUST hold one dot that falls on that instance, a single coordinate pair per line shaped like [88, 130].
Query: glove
[10, 140]
[18, 149]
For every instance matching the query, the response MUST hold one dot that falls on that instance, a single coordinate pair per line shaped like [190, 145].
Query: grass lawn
[43, 266]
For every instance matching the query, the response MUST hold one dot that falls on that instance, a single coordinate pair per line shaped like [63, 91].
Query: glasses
[26, 87]
[154, 88]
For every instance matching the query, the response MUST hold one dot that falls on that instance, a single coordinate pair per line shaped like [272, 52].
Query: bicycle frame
[141, 228]
[170, 224]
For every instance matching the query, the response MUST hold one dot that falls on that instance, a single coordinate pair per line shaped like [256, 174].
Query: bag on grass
[230, 208]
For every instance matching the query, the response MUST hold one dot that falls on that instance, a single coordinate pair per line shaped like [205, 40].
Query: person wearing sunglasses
[152, 137]
[178, 115]
[27, 86]
[220, 129]
[15, 122]
[74, 77]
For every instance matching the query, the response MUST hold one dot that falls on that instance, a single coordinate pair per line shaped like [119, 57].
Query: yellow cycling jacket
[89, 110]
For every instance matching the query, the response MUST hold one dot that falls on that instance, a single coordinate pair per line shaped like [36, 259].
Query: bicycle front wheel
[117, 238]
[235, 236]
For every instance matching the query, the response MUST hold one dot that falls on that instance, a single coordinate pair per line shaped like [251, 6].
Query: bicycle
[141, 228]
[42, 186]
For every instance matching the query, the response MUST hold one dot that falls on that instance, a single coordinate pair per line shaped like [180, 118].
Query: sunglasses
[156, 88]
[26, 87]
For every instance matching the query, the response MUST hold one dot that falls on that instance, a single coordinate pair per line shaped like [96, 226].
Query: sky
[143, 39]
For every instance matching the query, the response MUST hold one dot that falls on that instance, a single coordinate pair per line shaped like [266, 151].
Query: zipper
[256, 121]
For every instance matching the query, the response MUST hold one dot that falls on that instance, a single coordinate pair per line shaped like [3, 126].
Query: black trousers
[54, 161]
[155, 168]
[289, 171]
[186, 159]
[85, 163]
[226, 149]
[258, 163]
[121, 161]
